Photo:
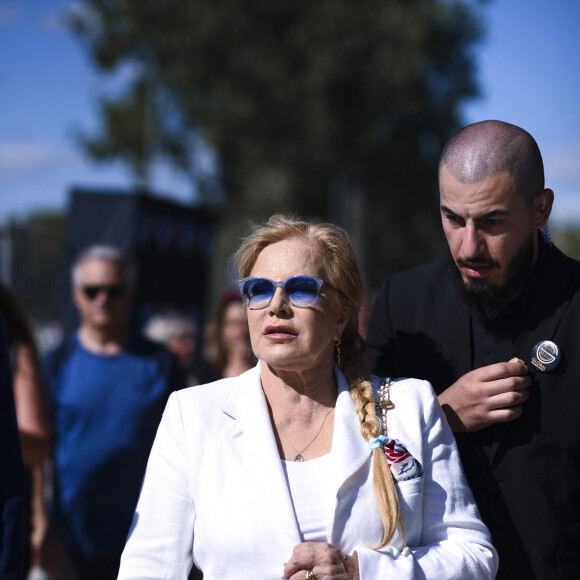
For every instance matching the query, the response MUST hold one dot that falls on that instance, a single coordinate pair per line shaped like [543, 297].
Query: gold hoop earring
[337, 345]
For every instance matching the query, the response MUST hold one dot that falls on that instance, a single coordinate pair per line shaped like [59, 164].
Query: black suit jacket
[11, 473]
[525, 475]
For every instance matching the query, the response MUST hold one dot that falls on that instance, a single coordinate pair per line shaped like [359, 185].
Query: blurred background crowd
[62, 415]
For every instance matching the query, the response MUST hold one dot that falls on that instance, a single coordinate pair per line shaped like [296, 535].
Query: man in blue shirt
[107, 392]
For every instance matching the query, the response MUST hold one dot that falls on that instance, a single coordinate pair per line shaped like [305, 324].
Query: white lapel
[253, 444]
[349, 448]
[254, 449]
[350, 451]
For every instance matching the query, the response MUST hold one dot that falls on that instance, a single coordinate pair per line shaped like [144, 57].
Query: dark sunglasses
[301, 291]
[91, 292]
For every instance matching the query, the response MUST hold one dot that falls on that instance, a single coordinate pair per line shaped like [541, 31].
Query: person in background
[107, 390]
[494, 327]
[179, 333]
[286, 471]
[29, 399]
[227, 340]
[11, 473]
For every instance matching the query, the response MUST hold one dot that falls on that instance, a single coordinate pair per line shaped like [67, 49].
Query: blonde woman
[286, 471]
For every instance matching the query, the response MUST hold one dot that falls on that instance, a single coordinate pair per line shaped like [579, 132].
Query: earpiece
[542, 209]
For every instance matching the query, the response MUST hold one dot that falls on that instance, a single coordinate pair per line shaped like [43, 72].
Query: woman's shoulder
[210, 393]
[405, 393]
[206, 410]
[409, 385]
[413, 413]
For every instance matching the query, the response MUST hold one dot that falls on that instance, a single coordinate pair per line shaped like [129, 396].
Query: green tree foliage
[329, 108]
[36, 264]
[568, 240]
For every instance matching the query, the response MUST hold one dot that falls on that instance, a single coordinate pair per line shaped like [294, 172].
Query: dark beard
[493, 301]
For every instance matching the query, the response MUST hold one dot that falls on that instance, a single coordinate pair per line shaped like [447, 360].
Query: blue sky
[529, 71]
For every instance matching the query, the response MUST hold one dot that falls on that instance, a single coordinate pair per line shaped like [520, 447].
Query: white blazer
[215, 492]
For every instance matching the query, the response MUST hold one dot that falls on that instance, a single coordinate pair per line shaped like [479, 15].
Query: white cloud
[22, 156]
[17, 157]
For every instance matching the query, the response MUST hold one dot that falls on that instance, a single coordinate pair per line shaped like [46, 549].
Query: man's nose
[473, 243]
[102, 296]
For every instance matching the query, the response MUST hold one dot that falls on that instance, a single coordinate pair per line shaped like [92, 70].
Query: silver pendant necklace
[299, 456]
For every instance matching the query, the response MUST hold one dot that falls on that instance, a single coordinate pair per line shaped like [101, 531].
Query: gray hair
[166, 325]
[487, 148]
[103, 252]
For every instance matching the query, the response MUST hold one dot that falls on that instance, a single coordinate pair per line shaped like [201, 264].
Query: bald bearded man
[494, 327]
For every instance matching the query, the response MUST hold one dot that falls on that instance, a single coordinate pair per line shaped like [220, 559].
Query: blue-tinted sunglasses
[302, 291]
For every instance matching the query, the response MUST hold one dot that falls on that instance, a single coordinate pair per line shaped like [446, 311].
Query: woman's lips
[283, 332]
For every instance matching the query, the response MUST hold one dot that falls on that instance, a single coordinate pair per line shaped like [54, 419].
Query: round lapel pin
[545, 356]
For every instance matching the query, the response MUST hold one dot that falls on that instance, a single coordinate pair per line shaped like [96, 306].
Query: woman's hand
[324, 560]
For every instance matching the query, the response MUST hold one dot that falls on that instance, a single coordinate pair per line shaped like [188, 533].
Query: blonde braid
[383, 483]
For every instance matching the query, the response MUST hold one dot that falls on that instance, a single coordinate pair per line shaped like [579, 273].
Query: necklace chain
[299, 456]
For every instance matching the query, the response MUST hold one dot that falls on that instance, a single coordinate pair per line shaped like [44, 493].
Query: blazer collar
[349, 448]
[254, 447]
[250, 434]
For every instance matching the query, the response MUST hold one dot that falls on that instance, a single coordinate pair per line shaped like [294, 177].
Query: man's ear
[543, 207]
